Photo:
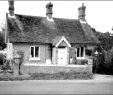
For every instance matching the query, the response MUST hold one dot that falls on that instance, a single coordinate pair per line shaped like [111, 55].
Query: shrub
[48, 76]
[88, 52]
[6, 66]
[100, 65]
[74, 61]
[109, 61]
[104, 63]
[82, 61]
[2, 58]
[61, 76]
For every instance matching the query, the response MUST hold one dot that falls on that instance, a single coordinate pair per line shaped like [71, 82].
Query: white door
[62, 56]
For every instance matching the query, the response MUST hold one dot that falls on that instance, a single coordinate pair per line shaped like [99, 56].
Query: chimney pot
[49, 5]
[11, 7]
[49, 10]
[81, 12]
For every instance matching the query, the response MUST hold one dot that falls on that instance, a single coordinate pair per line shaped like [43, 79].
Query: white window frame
[83, 57]
[35, 58]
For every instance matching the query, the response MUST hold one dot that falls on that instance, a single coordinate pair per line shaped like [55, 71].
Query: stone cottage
[48, 40]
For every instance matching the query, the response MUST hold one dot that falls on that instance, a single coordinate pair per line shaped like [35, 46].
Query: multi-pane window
[34, 52]
[80, 51]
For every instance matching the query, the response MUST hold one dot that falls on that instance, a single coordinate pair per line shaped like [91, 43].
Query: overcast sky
[99, 14]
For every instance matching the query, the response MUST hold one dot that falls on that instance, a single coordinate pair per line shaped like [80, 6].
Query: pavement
[101, 84]
[102, 77]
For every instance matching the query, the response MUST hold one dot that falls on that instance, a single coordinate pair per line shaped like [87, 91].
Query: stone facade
[44, 53]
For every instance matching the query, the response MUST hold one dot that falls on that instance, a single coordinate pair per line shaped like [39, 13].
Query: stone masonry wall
[26, 49]
[55, 69]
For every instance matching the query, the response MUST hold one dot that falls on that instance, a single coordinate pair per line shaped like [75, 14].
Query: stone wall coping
[34, 64]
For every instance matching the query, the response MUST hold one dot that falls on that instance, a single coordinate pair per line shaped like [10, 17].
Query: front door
[62, 56]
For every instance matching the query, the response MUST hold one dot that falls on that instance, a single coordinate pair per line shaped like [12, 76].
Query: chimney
[11, 7]
[49, 10]
[81, 12]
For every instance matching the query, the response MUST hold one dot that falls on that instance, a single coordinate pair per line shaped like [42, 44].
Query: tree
[105, 39]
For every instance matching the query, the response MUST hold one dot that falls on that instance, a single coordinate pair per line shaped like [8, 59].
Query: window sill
[34, 59]
[52, 65]
[81, 58]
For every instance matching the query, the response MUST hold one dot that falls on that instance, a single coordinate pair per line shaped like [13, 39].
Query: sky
[99, 14]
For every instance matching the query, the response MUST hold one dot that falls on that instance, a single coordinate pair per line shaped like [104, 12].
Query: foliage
[10, 77]
[105, 39]
[100, 64]
[109, 61]
[61, 76]
[99, 49]
[2, 39]
[5, 64]
[71, 75]
[104, 62]
[88, 52]
[2, 58]
[82, 61]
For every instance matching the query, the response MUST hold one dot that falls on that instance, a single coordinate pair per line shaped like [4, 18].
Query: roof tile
[25, 28]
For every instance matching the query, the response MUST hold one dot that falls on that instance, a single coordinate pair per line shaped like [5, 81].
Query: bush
[10, 77]
[48, 76]
[100, 65]
[88, 52]
[61, 76]
[104, 63]
[82, 61]
[109, 61]
[6, 66]
[2, 58]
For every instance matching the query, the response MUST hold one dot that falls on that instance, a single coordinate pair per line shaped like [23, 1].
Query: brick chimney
[49, 12]
[11, 8]
[81, 12]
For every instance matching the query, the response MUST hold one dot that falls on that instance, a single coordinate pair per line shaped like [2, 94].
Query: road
[57, 87]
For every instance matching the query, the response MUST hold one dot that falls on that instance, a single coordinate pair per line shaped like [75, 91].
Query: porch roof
[59, 39]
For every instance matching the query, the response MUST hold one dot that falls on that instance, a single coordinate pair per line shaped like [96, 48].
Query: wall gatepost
[17, 59]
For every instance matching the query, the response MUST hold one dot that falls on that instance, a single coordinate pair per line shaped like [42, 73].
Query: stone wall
[56, 69]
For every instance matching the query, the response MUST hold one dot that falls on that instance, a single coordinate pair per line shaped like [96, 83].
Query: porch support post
[84, 52]
[67, 48]
[54, 55]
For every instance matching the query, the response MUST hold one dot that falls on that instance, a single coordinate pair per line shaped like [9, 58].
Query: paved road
[57, 87]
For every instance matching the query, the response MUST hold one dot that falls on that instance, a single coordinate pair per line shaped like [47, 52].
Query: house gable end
[63, 39]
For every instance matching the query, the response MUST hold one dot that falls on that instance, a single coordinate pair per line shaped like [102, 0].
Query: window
[77, 52]
[80, 52]
[34, 52]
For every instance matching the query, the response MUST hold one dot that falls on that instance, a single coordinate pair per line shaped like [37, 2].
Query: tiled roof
[25, 28]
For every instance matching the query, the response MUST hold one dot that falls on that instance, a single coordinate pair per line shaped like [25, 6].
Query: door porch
[61, 51]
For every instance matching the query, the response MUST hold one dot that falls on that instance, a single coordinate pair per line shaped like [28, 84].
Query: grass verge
[54, 76]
